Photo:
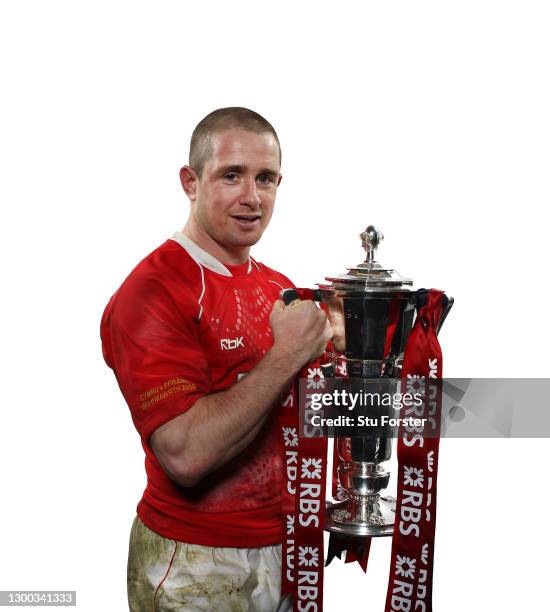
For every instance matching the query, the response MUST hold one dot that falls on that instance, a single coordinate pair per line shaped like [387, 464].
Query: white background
[429, 119]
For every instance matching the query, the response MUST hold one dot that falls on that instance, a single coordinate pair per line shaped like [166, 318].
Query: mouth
[247, 220]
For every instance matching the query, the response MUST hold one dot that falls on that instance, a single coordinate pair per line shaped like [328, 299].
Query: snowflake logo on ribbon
[425, 552]
[405, 567]
[415, 383]
[308, 556]
[289, 524]
[431, 461]
[290, 436]
[315, 378]
[414, 477]
[311, 468]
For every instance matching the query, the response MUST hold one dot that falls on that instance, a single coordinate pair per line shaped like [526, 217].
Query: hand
[301, 331]
[336, 317]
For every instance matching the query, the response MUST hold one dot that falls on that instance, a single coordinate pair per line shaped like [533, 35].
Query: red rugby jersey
[183, 325]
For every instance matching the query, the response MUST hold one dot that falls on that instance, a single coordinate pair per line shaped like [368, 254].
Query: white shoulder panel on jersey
[200, 255]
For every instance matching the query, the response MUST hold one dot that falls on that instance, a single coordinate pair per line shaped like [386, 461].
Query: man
[202, 349]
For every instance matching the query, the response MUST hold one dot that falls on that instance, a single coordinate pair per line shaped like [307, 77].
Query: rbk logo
[228, 345]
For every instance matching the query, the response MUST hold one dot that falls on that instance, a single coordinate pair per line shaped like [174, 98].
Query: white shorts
[165, 575]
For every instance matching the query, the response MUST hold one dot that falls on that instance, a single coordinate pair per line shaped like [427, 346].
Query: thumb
[278, 306]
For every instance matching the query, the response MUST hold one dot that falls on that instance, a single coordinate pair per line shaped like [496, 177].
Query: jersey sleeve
[154, 349]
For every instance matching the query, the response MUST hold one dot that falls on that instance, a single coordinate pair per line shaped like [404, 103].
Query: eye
[265, 179]
[230, 176]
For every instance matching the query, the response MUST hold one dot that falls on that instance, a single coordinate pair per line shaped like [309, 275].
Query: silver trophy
[371, 309]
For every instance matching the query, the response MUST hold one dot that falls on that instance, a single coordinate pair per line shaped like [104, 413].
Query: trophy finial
[370, 239]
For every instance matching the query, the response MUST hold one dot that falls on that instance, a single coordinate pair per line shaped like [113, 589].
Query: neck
[227, 255]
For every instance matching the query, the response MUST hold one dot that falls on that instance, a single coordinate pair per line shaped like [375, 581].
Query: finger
[295, 303]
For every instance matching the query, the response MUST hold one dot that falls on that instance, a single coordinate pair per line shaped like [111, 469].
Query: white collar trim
[202, 257]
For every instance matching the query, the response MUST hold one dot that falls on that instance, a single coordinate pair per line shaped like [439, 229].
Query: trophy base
[363, 516]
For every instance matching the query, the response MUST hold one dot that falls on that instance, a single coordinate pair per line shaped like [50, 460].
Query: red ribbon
[411, 568]
[303, 504]
[288, 427]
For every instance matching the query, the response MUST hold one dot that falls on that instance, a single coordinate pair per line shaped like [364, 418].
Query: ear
[189, 181]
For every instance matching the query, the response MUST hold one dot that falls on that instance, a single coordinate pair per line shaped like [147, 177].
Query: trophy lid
[369, 276]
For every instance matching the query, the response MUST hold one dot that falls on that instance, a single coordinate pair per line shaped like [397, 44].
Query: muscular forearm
[221, 425]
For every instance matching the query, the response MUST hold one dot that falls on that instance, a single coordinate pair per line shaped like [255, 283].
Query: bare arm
[219, 426]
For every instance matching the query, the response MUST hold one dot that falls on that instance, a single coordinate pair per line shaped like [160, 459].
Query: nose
[250, 196]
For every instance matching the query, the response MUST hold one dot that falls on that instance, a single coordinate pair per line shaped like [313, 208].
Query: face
[233, 200]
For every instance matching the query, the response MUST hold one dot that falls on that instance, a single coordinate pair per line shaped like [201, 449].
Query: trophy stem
[361, 472]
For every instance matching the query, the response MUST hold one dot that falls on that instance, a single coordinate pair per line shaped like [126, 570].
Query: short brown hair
[224, 119]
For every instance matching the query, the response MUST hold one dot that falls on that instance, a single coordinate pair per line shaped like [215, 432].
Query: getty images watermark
[467, 407]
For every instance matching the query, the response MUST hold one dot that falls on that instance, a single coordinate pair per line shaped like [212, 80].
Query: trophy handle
[298, 293]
